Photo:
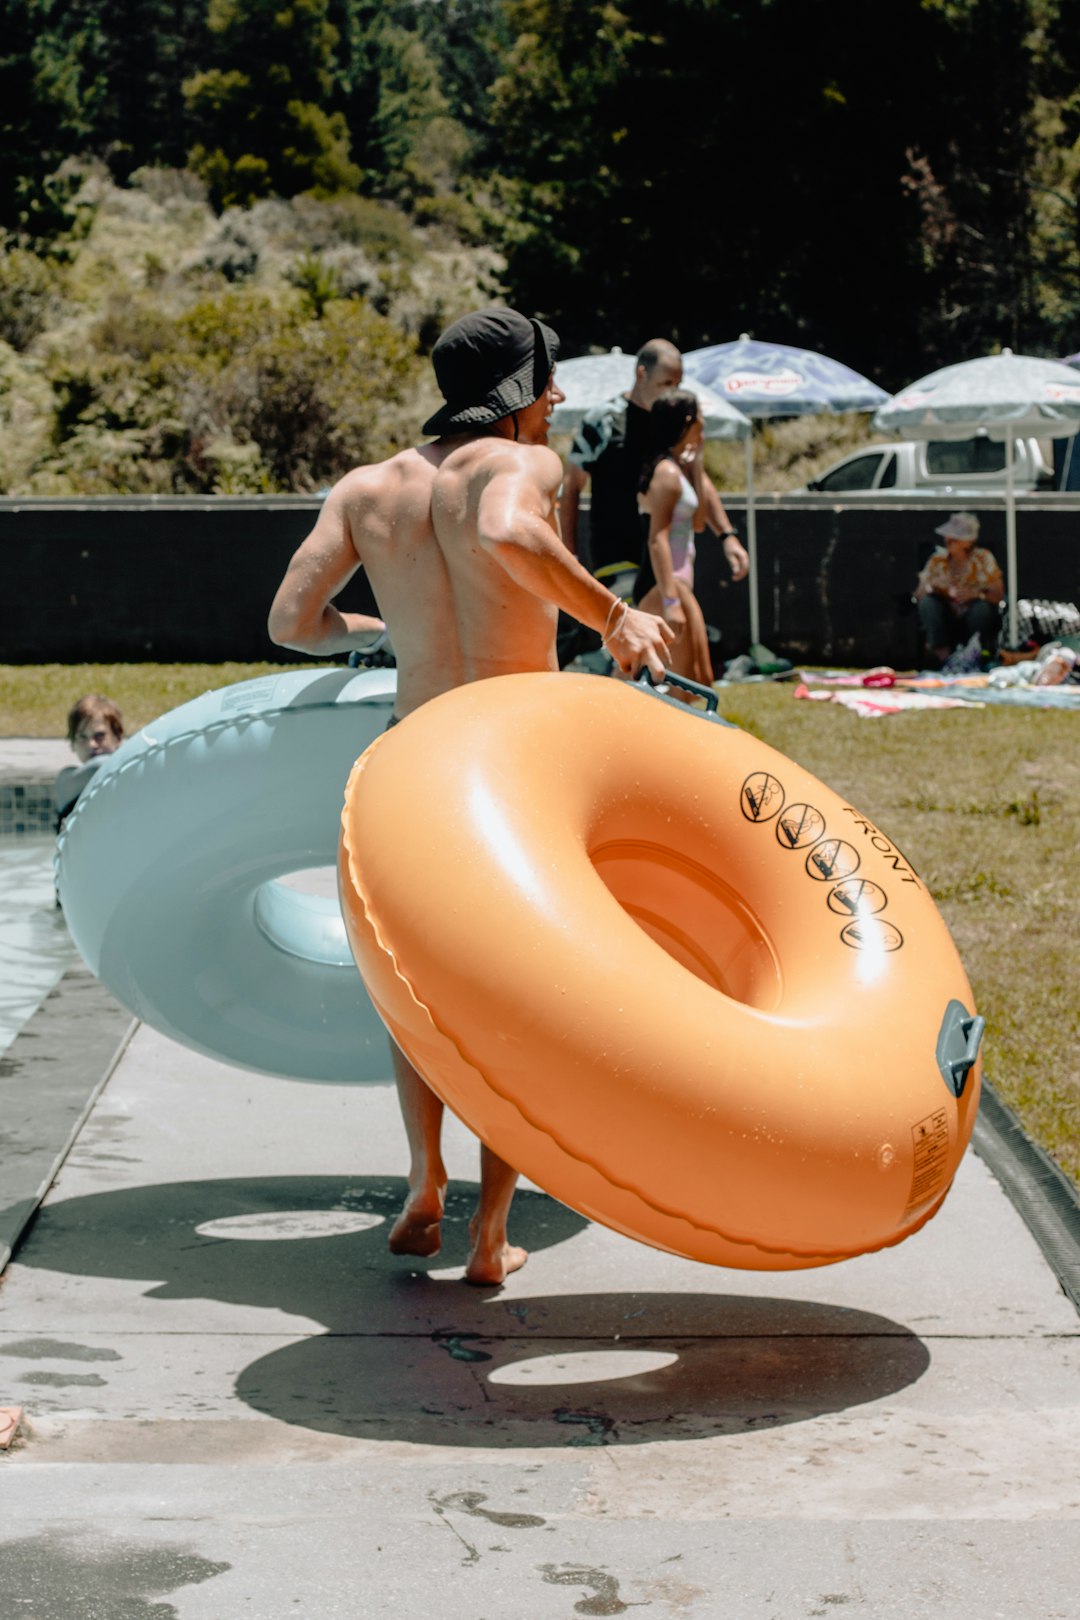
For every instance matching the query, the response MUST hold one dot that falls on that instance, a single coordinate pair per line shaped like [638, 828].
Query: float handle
[712, 702]
[958, 1045]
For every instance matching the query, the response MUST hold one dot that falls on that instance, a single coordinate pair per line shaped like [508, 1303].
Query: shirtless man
[460, 541]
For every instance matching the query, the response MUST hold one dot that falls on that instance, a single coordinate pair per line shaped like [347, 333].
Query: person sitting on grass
[960, 589]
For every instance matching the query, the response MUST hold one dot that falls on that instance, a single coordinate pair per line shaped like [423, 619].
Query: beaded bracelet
[605, 638]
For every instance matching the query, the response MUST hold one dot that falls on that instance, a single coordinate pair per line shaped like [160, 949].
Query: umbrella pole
[751, 541]
[1010, 540]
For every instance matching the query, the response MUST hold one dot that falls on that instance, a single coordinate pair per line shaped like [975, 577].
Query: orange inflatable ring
[664, 971]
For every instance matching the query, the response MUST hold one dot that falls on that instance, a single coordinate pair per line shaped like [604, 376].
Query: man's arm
[303, 616]
[514, 527]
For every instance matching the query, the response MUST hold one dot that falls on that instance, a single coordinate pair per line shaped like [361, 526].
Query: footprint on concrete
[606, 1587]
[469, 1502]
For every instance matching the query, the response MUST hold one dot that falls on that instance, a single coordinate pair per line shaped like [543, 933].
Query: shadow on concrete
[347, 1281]
[407, 1357]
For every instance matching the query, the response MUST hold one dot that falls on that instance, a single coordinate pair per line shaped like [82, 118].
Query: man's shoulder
[494, 456]
[536, 462]
[378, 476]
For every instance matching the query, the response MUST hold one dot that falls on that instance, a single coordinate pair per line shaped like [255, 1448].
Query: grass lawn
[984, 802]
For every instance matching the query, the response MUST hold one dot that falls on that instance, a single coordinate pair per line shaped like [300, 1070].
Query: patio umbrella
[1006, 396]
[593, 379]
[774, 379]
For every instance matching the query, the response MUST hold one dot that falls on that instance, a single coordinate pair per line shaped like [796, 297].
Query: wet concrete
[236, 1402]
[49, 1076]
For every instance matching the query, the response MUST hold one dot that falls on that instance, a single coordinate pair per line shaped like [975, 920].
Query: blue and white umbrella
[1006, 396]
[775, 379]
[593, 379]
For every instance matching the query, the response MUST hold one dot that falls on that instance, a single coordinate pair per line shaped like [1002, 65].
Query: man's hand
[738, 559]
[639, 639]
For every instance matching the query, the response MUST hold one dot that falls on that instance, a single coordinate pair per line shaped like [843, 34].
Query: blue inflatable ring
[168, 871]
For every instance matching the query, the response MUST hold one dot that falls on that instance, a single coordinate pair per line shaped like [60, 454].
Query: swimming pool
[35, 946]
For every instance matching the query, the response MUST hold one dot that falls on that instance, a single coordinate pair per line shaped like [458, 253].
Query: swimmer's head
[489, 365]
[95, 726]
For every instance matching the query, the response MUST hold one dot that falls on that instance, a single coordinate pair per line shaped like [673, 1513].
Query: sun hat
[961, 526]
[488, 365]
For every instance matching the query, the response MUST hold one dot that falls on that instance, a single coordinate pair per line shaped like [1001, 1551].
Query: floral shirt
[977, 572]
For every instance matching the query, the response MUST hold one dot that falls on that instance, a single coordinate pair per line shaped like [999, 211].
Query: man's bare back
[378, 517]
[487, 497]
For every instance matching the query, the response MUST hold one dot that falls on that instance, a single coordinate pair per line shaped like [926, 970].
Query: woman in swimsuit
[666, 581]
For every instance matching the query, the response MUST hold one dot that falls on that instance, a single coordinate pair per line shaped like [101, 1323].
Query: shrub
[25, 413]
[380, 229]
[29, 297]
[316, 281]
[316, 396]
[231, 182]
[240, 393]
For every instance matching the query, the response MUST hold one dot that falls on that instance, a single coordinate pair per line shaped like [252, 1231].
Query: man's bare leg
[491, 1257]
[416, 1230]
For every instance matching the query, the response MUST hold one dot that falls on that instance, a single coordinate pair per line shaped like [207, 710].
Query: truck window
[959, 458]
[855, 474]
[888, 477]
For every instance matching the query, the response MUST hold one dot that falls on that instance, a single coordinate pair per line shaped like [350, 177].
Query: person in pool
[95, 729]
[461, 543]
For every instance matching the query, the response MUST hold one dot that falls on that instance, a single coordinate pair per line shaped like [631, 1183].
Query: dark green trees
[259, 114]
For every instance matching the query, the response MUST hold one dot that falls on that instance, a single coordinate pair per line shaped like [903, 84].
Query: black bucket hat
[488, 365]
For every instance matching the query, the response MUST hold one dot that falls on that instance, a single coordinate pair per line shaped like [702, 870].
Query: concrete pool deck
[234, 1402]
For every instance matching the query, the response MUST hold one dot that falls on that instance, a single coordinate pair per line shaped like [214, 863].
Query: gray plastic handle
[958, 1045]
[671, 679]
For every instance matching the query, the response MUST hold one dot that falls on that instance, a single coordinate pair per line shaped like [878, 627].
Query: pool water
[35, 947]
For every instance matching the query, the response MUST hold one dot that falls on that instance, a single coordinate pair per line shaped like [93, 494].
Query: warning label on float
[930, 1140]
[761, 796]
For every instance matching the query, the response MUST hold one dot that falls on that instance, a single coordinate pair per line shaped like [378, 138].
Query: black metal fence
[190, 580]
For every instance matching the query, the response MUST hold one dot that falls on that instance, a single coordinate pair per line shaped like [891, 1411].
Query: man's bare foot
[491, 1262]
[417, 1228]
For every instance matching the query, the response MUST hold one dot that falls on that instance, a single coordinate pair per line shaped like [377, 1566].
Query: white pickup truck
[952, 467]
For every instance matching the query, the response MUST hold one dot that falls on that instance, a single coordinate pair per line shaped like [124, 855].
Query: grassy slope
[985, 802]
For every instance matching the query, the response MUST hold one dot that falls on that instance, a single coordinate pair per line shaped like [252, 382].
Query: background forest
[231, 229]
